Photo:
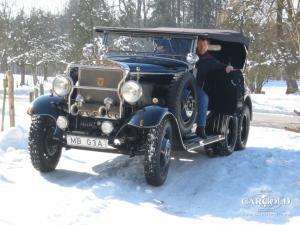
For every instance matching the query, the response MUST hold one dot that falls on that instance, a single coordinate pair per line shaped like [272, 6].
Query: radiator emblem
[100, 82]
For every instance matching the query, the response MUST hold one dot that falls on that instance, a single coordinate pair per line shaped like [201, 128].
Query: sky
[54, 6]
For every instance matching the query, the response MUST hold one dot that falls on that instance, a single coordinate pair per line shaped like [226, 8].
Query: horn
[74, 110]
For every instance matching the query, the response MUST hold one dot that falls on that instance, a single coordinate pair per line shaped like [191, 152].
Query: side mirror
[192, 58]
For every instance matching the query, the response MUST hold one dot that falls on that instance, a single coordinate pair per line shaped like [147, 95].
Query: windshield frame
[145, 35]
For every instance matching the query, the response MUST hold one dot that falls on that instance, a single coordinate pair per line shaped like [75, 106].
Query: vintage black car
[138, 96]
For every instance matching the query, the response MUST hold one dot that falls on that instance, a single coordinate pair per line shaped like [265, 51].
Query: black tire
[227, 146]
[159, 144]
[243, 129]
[44, 151]
[182, 101]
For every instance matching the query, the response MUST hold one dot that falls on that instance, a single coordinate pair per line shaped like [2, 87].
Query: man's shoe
[200, 131]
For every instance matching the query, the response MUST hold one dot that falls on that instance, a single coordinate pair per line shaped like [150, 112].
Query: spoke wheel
[182, 101]
[227, 146]
[188, 104]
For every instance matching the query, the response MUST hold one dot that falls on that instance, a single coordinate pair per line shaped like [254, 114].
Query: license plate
[80, 141]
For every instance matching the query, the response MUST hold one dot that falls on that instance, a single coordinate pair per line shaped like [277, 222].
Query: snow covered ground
[99, 188]
[275, 100]
[23, 91]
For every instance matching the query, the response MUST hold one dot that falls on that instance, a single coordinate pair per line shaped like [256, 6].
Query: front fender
[148, 117]
[45, 105]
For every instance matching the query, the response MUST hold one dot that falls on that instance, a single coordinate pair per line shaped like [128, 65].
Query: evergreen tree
[83, 16]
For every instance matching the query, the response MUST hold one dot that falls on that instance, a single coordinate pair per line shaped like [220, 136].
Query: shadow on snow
[198, 185]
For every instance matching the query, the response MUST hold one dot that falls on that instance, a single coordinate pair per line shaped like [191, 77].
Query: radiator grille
[99, 78]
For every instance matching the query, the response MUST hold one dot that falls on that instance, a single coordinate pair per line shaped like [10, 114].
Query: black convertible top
[221, 35]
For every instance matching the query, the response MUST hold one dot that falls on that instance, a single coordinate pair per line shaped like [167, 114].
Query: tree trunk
[279, 18]
[178, 13]
[258, 89]
[292, 86]
[23, 71]
[145, 12]
[45, 67]
[3, 103]
[138, 13]
[196, 14]
[10, 81]
[173, 13]
[34, 75]
[4, 62]
[250, 85]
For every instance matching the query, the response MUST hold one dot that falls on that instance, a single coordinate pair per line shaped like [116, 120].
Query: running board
[196, 142]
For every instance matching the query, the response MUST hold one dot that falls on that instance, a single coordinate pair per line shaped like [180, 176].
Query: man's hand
[229, 69]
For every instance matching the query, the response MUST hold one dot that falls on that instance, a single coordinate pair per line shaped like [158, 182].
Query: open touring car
[139, 97]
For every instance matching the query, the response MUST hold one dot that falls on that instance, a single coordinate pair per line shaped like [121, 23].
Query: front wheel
[159, 143]
[44, 151]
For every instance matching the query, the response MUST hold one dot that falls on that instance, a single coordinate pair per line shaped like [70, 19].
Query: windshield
[172, 47]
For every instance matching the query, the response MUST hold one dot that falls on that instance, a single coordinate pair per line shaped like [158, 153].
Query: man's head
[202, 45]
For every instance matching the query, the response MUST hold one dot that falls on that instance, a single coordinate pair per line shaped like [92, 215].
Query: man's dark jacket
[207, 64]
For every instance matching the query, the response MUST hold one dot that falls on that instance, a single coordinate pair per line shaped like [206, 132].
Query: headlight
[131, 91]
[62, 86]
[107, 127]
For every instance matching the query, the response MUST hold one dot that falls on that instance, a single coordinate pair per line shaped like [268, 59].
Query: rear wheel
[159, 144]
[227, 146]
[243, 129]
[44, 151]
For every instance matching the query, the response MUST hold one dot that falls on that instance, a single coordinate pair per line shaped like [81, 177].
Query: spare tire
[182, 100]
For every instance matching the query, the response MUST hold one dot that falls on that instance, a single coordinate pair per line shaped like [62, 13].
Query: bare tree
[288, 31]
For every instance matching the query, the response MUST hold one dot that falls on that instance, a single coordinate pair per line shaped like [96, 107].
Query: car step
[193, 142]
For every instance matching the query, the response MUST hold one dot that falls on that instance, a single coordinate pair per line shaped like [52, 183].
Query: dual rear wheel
[236, 131]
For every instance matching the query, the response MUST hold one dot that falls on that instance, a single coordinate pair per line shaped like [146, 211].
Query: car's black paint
[148, 117]
[151, 64]
[47, 105]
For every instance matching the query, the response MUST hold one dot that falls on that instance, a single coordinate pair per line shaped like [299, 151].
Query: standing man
[206, 65]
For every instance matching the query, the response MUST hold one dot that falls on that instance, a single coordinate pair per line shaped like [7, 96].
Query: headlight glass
[131, 91]
[62, 86]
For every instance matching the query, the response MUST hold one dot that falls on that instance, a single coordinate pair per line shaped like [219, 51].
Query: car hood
[151, 64]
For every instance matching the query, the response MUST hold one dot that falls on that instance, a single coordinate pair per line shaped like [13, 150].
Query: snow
[102, 188]
[275, 100]
[90, 187]
[23, 91]
[21, 99]
[15, 137]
